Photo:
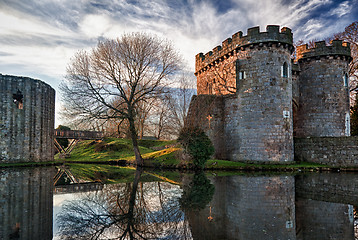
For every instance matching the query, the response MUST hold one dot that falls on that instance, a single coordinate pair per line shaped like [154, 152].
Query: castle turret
[324, 90]
[27, 114]
[256, 70]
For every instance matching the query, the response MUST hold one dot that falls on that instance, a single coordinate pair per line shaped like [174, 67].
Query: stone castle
[254, 99]
[27, 119]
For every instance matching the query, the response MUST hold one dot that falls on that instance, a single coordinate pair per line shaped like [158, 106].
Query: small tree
[116, 77]
[197, 144]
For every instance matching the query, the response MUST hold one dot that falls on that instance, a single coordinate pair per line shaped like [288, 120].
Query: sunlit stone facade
[253, 98]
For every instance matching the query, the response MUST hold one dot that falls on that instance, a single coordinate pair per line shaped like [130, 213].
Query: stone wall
[324, 205]
[206, 112]
[333, 151]
[26, 200]
[259, 121]
[27, 114]
[278, 207]
[329, 187]
[324, 95]
[248, 208]
[257, 107]
[317, 220]
[268, 98]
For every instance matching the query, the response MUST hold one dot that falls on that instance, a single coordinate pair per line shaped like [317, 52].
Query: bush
[197, 194]
[197, 144]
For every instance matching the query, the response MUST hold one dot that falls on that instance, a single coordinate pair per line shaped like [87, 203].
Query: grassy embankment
[164, 154]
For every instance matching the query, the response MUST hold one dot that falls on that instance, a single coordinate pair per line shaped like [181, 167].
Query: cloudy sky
[38, 37]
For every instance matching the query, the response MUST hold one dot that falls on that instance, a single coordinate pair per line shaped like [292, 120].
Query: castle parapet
[336, 48]
[238, 41]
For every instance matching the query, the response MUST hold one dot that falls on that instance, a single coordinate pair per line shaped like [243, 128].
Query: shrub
[197, 194]
[197, 144]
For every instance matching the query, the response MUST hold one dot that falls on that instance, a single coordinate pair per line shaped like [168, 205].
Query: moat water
[92, 202]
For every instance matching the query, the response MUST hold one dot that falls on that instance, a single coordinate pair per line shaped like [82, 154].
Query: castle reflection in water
[248, 206]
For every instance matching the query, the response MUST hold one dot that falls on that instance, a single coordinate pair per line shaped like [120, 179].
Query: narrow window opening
[348, 125]
[209, 88]
[284, 70]
[242, 75]
[346, 80]
[18, 99]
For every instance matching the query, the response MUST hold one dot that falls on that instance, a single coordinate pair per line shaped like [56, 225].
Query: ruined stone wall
[332, 151]
[26, 199]
[324, 93]
[27, 114]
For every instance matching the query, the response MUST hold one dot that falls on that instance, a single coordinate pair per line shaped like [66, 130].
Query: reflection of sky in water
[58, 201]
[170, 195]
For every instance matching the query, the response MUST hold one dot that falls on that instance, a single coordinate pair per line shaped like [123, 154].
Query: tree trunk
[133, 133]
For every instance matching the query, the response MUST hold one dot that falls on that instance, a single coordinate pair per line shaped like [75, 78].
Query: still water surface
[55, 203]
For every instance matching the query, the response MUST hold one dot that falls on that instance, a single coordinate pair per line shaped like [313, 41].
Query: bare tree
[169, 111]
[131, 69]
[126, 211]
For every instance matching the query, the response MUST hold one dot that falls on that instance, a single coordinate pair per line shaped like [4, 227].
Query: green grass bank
[166, 155]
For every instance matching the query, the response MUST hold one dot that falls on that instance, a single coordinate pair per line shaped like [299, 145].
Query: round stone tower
[324, 90]
[27, 114]
[264, 94]
[257, 118]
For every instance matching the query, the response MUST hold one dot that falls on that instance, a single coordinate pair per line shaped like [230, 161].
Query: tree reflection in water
[135, 210]
[198, 193]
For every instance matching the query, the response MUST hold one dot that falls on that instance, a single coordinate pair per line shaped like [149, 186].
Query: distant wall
[27, 114]
[206, 112]
[333, 151]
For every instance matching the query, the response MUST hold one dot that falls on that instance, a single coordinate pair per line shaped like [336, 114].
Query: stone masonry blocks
[27, 114]
[266, 98]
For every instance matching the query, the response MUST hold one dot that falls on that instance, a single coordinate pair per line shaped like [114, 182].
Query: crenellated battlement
[238, 42]
[320, 49]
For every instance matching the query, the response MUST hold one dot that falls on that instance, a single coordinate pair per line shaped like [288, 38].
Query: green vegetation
[223, 164]
[28, 164]
[198, 193]
[197, 144]
[107, 173]
[113, 149]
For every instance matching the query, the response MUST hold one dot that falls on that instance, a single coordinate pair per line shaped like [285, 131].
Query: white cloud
[25, 24]
[39, 38]
[94, 26]
[343, 9]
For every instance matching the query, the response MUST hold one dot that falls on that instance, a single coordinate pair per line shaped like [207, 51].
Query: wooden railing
[76, 134]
